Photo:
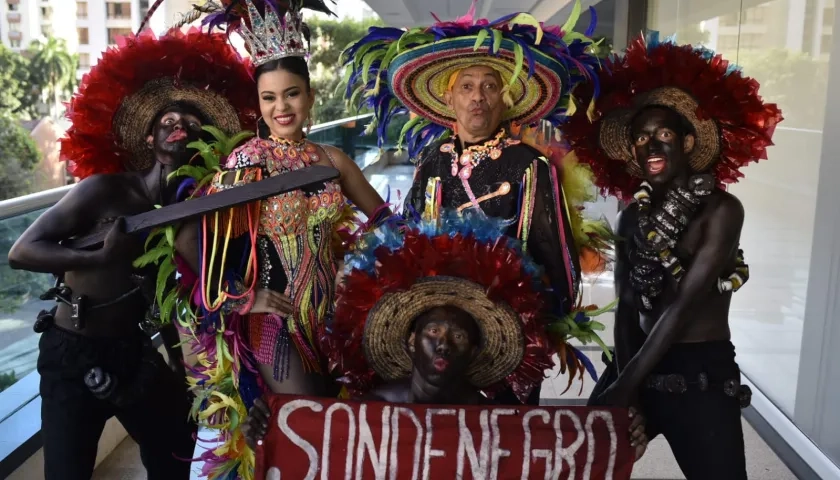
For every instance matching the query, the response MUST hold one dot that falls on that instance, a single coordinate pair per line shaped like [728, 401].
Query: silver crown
[269, 38]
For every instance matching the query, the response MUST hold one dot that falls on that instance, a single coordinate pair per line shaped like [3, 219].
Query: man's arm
[551, 241]
[38, 249]
[628, 334]
[721, 240]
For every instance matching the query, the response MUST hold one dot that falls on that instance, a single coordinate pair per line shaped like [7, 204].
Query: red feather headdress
[732, 123]
[401, 270]
[118, 99]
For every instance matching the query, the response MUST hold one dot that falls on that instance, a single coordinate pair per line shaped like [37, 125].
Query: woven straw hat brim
[419, 78]
[134, 118]
[389, 321]
[614, 134]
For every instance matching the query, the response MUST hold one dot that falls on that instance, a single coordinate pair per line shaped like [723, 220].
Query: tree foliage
[53, 70]
[14, 81]
[18, 158]
[329, 39]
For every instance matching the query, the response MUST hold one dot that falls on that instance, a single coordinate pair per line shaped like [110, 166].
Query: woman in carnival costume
[263, 279]
[133, 118]
[671, 127]
[471, 83]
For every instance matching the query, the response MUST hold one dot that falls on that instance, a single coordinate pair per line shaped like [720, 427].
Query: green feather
[519, 53]
[482, 36]
[528, 20]
[497, 40]
[573, 19]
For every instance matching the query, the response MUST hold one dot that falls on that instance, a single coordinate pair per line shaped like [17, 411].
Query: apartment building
[23, 21]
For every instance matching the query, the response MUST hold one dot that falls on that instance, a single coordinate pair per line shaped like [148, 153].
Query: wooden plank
[196, 207]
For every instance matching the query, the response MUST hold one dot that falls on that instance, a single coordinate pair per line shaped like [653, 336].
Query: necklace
[463, 165]
[657, 236]
[292, 154]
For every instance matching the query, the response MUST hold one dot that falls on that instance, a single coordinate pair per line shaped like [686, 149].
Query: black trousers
[702, 425]
[72, 418]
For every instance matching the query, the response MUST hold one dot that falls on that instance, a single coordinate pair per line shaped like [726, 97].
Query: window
[81, 10]
[825, 44]
[13, 7]
[727, 43]
[84, 60]
[14, 27]
[755, 15]
[83, 36]
[46, 13]
[14, 43]
[46, 30]
[113, 33]
[119, 11]
[729, 20]
[752, 41]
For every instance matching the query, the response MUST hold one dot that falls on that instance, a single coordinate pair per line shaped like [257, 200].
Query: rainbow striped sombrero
[394, 71]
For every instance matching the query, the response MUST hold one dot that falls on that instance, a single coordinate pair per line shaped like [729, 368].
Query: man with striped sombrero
[471, 83]
[133, 118]
[673, 125]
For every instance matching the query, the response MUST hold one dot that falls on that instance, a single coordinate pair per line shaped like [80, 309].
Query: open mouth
[284, 120]
[655, 165]
[440, 364]
[176, 136]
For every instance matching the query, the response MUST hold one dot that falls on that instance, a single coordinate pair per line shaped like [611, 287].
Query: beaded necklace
[657, 236]
[294, 154]
[464, 164]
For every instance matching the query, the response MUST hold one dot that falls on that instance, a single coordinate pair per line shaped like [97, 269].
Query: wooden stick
[196, 207]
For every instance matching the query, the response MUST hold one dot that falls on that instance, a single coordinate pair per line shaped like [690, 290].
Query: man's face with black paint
[174, 129]
[443, 345]
[659, 147]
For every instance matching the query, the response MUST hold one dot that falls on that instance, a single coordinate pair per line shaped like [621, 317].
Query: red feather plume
[496, 266]
[204, 60]
[745, 121]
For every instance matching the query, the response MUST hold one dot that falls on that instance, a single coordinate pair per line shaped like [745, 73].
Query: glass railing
[19, 305]
[20, 290]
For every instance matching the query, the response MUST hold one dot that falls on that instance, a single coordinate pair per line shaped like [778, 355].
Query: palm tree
[53, 68]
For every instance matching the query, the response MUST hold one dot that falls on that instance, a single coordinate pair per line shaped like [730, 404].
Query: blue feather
[593, 22]
[590, 368]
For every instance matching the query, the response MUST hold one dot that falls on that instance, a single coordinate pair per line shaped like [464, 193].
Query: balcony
[13, 17]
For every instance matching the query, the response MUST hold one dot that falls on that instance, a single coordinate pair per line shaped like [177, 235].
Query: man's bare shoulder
[627, 219]
[722, 206]
[105, 187]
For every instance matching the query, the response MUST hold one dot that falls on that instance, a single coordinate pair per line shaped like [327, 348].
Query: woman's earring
[309, 124]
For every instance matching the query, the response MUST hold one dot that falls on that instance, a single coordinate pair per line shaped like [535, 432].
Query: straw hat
[117, 101]
[394, 71]
[615, 135]
[733, 126]
[404, 268]
[390, 321]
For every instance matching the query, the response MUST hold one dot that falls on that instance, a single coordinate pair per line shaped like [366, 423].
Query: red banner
[315, 438]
